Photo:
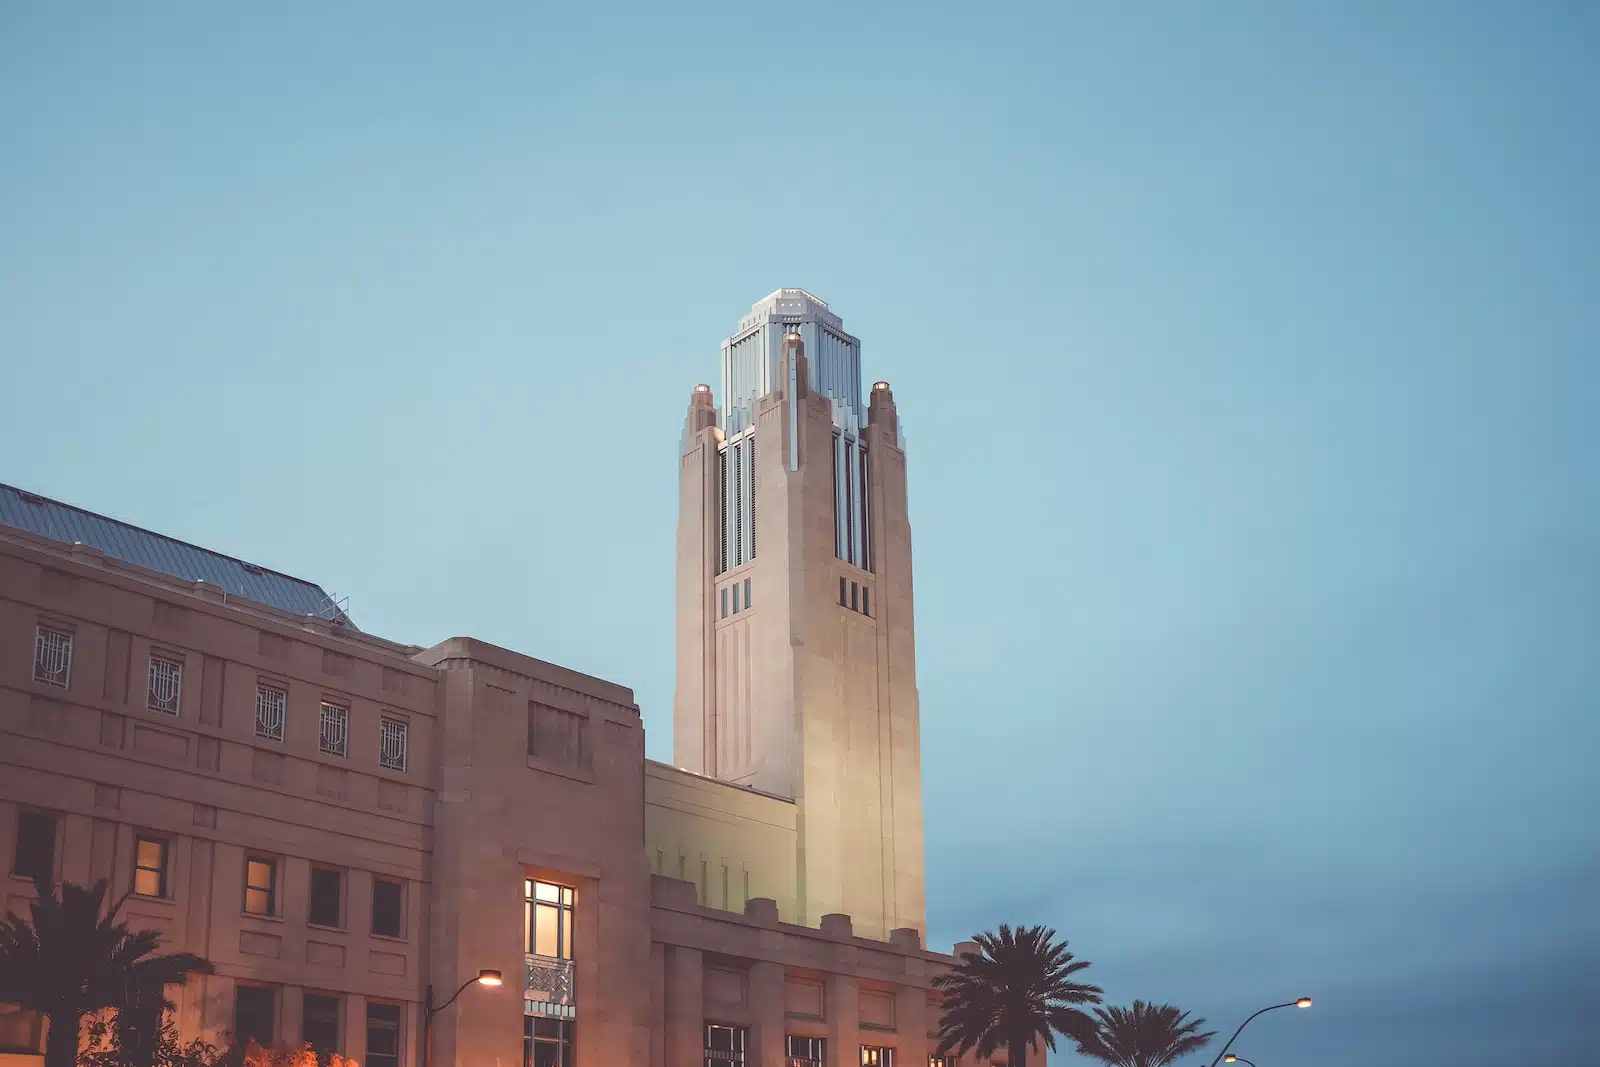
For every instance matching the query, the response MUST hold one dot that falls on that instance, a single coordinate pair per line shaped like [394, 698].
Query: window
[876, 1056]
[319, 1024]
[392, 744]
[271, 703]
[255, 1012]
[52, 656]
[941, 1061]
[166, 685]
[805, 1051]
[326, 894]
[747, 592]
[843, 603]
[35, 856]
[150, 866]
[865, 610]
[546, 1042]
[383, 1035]
[260, 886]
[334, 727]
[386, 907]
[736, 598]
[557, 736]
[725, 1044]
[852, 596]
[548, 916]
[724, 602]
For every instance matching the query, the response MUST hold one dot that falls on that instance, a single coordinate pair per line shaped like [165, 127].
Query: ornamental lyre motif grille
[335, 729]
[52, 657]
[549, 980]
[270, 707]
[392, 745]
[166, 685]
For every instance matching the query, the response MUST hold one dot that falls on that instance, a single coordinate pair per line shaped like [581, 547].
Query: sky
[1247, 355]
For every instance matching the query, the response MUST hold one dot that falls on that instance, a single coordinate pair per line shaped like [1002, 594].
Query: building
[348, 827]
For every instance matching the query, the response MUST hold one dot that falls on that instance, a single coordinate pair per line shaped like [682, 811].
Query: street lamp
[1231, 1058]
[1303, 1002]
[486, 977]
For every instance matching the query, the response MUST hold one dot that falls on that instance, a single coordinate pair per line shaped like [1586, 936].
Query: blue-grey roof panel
[157, 552]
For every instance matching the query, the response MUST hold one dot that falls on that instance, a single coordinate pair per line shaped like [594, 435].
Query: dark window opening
[747, 592]
[325, 897]
[725, 1045]
[254, 1014]
[843, 602]
[319, 1024]
[853, 588]
[865, 610]
[805, 1051]
[546, 1042]
[385, 907]
[36, 846]
[383, 1035]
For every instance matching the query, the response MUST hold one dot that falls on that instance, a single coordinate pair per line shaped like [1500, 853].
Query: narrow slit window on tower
[738, 509]
[866, 512]
[724, 602]
[843, 603]
[865, 610]
[752, 506]
[853, 596]
[722, 508]
[736, 598]
[838, 540]
[849, 503]
[747, 592]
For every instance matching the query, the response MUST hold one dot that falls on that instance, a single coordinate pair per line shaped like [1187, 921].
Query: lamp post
[1303, 1002]
[486, 977]
[1231, 1058]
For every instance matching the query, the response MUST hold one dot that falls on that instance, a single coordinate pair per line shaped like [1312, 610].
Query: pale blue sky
[1247, 355]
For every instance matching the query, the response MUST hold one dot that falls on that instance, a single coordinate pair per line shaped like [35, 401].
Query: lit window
[876, 1056]
[392, 745]
[334, 727]
[386, 898]
[150, 866]
[725, 1044]
[52, 656]
[166, 685]
[548, 917]
[326, 896]
[35, 855]
[805, 1051]
[271, 706]
[260, 886]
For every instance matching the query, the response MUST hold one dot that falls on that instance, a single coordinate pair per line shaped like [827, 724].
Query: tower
[796, 657]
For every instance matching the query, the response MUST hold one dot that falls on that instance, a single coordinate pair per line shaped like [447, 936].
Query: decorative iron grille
[550, 981]
[392, 745]
[166, 685]
[52, 657]
[335, 729]
[271, 704]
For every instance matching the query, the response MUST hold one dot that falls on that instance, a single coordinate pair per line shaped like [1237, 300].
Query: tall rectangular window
[547, 914]
[334, 729]
[392, 744]
[150, 866]
[319, 1024]
[876, 1056]
[843, 601]
[255, 1014]
[736, 598]
[738, 510]
[272, 706]
[724, 602]
[547, 1042]
[327, 893]
[383, 1035]
[386, 907]
[853, 588]
[166, 685]
[805, 1051]
[725, 1045]
[747, 592]
[866, 608]
[52, 656]
[35, 855]
[260, 886]
[752, 554]
[722, 510]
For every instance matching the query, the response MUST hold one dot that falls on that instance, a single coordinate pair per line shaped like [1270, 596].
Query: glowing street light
[1231, 1058]
[486, 977]
[1303, 1002]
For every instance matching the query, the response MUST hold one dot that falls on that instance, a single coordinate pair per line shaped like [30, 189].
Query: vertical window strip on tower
[838, 503]
[722, 510]
[752, 497]
[738, 505]
[866, 511]
[849, 502]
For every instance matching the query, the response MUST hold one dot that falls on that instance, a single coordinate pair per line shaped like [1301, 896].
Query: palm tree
[71, 961]
[1145, 1035]
[1014, 992]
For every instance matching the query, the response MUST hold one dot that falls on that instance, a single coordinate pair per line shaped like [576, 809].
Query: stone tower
[796, 649]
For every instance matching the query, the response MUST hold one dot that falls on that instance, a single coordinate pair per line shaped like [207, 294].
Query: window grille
[725, 1045]
[876, 1056]
[804, 1051]
[335, 729]
[52, 657]
[166, 685]
[392, 745]
[271, 705]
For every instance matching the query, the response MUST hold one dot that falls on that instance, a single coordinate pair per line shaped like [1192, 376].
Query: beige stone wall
[96, 757]
[733, 843]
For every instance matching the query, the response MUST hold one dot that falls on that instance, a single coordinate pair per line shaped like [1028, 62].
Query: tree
[1014, 992]
[70, 961]
[1145, 1035]
[104, 1047]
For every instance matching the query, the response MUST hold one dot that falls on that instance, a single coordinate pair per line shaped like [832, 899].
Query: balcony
[549, 981]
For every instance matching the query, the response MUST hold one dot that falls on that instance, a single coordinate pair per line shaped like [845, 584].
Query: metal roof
[157, 552]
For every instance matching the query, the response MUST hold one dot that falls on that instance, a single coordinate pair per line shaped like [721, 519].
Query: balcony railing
[550, 980]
